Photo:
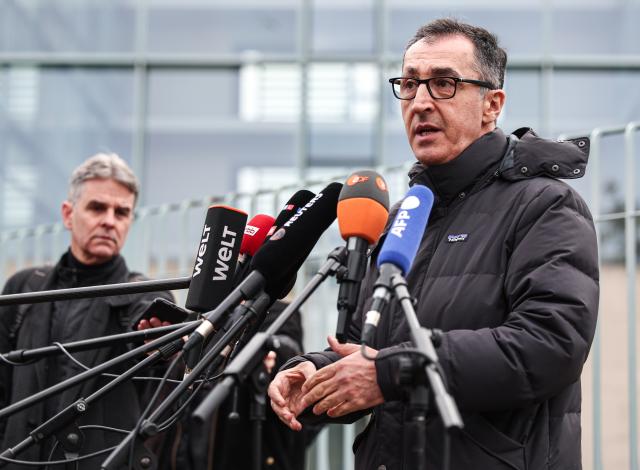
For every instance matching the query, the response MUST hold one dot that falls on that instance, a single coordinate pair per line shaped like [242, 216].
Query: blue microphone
[398, 251]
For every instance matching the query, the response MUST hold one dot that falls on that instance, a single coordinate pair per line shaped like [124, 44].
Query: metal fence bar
[594, 163]
[630, 265]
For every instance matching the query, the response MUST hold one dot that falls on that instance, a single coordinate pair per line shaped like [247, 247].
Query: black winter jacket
[102, 316]
[508, 269]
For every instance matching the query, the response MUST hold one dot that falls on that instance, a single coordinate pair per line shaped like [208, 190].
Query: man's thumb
[342, 349]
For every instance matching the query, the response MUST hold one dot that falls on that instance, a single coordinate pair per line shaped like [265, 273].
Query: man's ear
[67, 212]
[493, 103]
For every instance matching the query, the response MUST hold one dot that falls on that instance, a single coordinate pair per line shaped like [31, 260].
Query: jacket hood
[520, 155]
[529, 156]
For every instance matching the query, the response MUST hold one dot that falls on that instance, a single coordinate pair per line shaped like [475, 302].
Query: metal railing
[630, 217]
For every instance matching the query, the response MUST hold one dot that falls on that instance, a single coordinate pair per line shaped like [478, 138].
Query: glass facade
[191, 92]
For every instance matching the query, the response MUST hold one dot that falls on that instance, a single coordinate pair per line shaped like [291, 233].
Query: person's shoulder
[18, 281]
[547, 197]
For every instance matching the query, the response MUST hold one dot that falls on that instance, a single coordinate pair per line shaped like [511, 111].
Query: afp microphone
[398, 251]
[363, 209]
[216, 258]
[278, 260]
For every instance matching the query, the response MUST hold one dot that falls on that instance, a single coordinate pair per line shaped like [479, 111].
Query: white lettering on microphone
[224, 254]
[202, 250]
[302, 210]
[400, 224]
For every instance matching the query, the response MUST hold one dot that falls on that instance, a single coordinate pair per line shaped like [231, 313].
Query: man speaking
[507, 269]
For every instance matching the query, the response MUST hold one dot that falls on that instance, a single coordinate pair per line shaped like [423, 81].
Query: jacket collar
[521, 155]
[72, 273]
[453, 178]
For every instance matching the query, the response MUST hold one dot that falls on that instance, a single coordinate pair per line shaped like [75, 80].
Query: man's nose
[109, 218]
[423, 100]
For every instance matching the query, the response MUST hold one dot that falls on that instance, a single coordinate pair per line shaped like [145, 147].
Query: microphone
[258, 231]
[278, 260]
[216, 258]
[255, 234]
[281, 257]
[295, 202]
[398, 251]
[363, 209]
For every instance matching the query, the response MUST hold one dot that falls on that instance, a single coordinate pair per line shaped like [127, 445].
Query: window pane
[50, 121]
[222, 27]
[67, 25]
[197, 141]
[522, 106]
[599, 28]
[584, 100]
[520, 29]
[343, 27]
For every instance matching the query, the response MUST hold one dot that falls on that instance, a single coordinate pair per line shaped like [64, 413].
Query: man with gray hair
[98, 214]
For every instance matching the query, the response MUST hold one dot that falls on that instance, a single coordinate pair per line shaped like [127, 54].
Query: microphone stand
[23, 355]
[349, 280]
[72, 381]
[63, 423]
[251, 355]
[426, 365]
[149, 427]
[95, 291]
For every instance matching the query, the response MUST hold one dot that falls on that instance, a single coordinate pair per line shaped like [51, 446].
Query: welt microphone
[215, 264]
[216, 258]
[278, 260]
[398, 251]
[363, 209]
[258, 231]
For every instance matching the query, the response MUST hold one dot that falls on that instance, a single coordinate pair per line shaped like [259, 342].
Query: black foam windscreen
[280, 258]
[216, 258]
[295, 202]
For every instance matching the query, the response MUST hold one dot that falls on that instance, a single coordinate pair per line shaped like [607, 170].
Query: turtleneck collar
[73, 272]
[453, 178]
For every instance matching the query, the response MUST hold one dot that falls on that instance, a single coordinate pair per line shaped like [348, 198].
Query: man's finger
[143, 324]
[277, 390]
[342, 409]
[319, 392]
[342, 349]
[320, 376]
[330, 401]
[286, 416]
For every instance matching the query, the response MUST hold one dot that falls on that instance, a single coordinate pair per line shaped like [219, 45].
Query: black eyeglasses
[440, 88]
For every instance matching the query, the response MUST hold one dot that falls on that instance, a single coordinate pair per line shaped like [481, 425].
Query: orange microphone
[363, 209]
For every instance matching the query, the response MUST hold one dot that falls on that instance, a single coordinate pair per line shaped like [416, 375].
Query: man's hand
[153, 322]
[285, 392]
[345, 386]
